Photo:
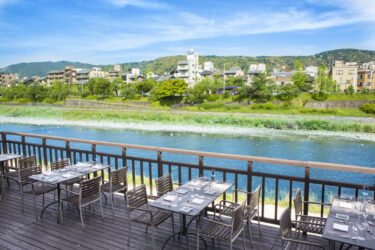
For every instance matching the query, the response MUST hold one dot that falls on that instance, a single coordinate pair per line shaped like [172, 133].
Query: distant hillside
[167, 64]
[41, 68]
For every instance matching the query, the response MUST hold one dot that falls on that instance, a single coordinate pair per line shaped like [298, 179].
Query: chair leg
[173, 226]
[153, 237]
[101, 208]
[113, 211]
[80, 215]
[146, 229]
[250, 233]
[129, 231]
[243, 239]
[43, 199]
[61, 211]
[197, 236]
[260, 231]
[36, 215]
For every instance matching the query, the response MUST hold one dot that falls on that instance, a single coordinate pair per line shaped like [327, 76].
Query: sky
[119, 31]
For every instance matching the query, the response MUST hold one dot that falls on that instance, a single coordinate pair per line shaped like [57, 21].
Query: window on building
[352, 72]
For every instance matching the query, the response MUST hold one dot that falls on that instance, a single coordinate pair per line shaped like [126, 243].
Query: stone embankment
[335, 104]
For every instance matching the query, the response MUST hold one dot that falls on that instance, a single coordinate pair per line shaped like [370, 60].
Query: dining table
[351, 222]
[190, 199]
[3, 159]
[58, 177]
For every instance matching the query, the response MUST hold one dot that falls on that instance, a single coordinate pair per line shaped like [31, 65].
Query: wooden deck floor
[23, 231]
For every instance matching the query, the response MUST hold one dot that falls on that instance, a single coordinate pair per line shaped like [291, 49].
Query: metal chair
[164, 184]
[137, 201]
[305, 223]
[37, 188]
[219, 230]
[118, 182]
[89, 192]
[59, 164]
[250, 212]
[287, 240]
[12, 172]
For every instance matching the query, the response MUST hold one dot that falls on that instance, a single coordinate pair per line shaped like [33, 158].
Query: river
[345, 150]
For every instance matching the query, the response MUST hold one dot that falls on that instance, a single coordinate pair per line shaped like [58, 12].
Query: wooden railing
[147, 168]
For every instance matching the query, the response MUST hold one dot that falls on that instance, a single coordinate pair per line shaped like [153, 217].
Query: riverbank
[191, 123]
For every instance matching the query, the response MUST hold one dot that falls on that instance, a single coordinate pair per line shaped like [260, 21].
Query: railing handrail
[309, 164]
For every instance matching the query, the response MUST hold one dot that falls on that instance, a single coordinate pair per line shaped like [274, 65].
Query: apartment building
[345, 75]
[366, 79]
[69, 74]
[117, 67]
[189, 68]
[312, 71]
[234, 72]
[7, 79]
[255, 70]
[96, 72]
[55, 75]
[281, 78]
[82, 76]
[208, 70]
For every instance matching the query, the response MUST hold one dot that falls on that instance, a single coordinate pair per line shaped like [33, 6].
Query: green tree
[116, 85]
[262, 88]
[300, 79]
[235, 81]
[144, 86]
[350, 90]
[127, 91]
[100, 87]
[287, 92]
[323, 82]
[58, 91]
[298, 65]
[170, 88]
[36, 92]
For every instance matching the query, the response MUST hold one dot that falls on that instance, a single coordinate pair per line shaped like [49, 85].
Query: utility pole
[224, 79]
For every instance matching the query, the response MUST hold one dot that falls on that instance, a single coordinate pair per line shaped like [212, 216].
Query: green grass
[186, 119]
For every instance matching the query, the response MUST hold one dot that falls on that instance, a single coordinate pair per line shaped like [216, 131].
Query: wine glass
[213, 174]
[362, 226]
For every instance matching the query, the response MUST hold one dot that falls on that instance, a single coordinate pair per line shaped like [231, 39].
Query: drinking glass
[362, 226]
[213, 174]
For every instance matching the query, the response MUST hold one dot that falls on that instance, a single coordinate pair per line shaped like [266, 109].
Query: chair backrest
[237, 217]
[285, 223]
[119, 176]
[27, 162]
[164, 184]
[254, 200]
[90, 187]
[137, 197]
[298, 203]
[59, 164]
[25, 173]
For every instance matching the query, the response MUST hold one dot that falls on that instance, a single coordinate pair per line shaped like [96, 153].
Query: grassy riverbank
[187, 119]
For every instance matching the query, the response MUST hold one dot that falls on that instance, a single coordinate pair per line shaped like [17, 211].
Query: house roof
[255, 71]
[56, 72]
[206, 72]
[232, 70]
[83, 71]
[283, 74]
[162, 78]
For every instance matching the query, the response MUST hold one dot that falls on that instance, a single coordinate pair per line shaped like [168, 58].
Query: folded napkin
[185, 209]
[341, 227]
[197, 201]
[195, 183]
[67, 175]
[345, 204]
[181, 191]
[170, 198]
[210, 192]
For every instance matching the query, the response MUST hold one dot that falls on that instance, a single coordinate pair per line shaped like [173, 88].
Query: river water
[345, 150]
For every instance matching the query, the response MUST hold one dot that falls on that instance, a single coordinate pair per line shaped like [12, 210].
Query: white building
[134, 73]
[312, 71]
[117, 67]
[254, 70]
[208, 66]
[189, 68]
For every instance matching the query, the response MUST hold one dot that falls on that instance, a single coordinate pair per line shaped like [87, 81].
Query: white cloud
[137, 3]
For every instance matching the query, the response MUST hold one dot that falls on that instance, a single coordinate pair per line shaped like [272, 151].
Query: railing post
[124, 163]
[4, 142]
[306, 190]
[249, 180]
[160, 165]
[67, 149]
[45, 156]
[23, 138]
[93, 149]
[201, 165]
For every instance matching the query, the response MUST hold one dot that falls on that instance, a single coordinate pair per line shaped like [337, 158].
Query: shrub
[209, 105]
[368, 108]
[232, 107]
[267, 106]
[320, 96]
[137, 97]
[23, 100]
[90, 97]
[3, 99]
[212, 97]
[49, 100]
[85, 94]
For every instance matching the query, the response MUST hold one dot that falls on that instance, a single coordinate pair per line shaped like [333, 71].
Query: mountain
[169, 63]
[41, 68]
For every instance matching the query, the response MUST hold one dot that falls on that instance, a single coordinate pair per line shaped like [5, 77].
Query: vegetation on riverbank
[187, 119]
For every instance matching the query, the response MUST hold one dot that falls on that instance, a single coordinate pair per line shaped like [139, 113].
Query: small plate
[181, 191]
[342, 217]
[185, 209]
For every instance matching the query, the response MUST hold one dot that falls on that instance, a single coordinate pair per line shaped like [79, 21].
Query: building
[97, 72]
[7, 79]
[189, 68]
[208, 66]
[345, 75]
[366, 79]
[69, 74]
[255, 70]
[55, 75]
[281, 78]
[82, 76]
[117, 67]
[234, 72]
[112, 74]
[312, 71]
[369, 65]
[151, 75]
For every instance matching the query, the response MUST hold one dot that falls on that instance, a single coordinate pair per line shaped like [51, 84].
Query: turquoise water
[306, 148]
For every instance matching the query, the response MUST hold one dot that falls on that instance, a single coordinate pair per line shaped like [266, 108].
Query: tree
[323, 82]
[300, 79]
[262, 88]
[99, 86]
[170, 88]
[287, 92]
[144, 86]
[235, 81]
[36, 92]
[298, 66]
[58, 91]
[350, 90]
[127, 91]
[116, 85]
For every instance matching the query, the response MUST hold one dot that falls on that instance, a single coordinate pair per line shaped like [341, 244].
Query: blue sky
[117, 31]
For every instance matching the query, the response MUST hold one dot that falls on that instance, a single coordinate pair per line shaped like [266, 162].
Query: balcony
[23, 231]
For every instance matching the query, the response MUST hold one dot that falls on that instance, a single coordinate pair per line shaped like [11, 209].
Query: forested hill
[167, 64]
